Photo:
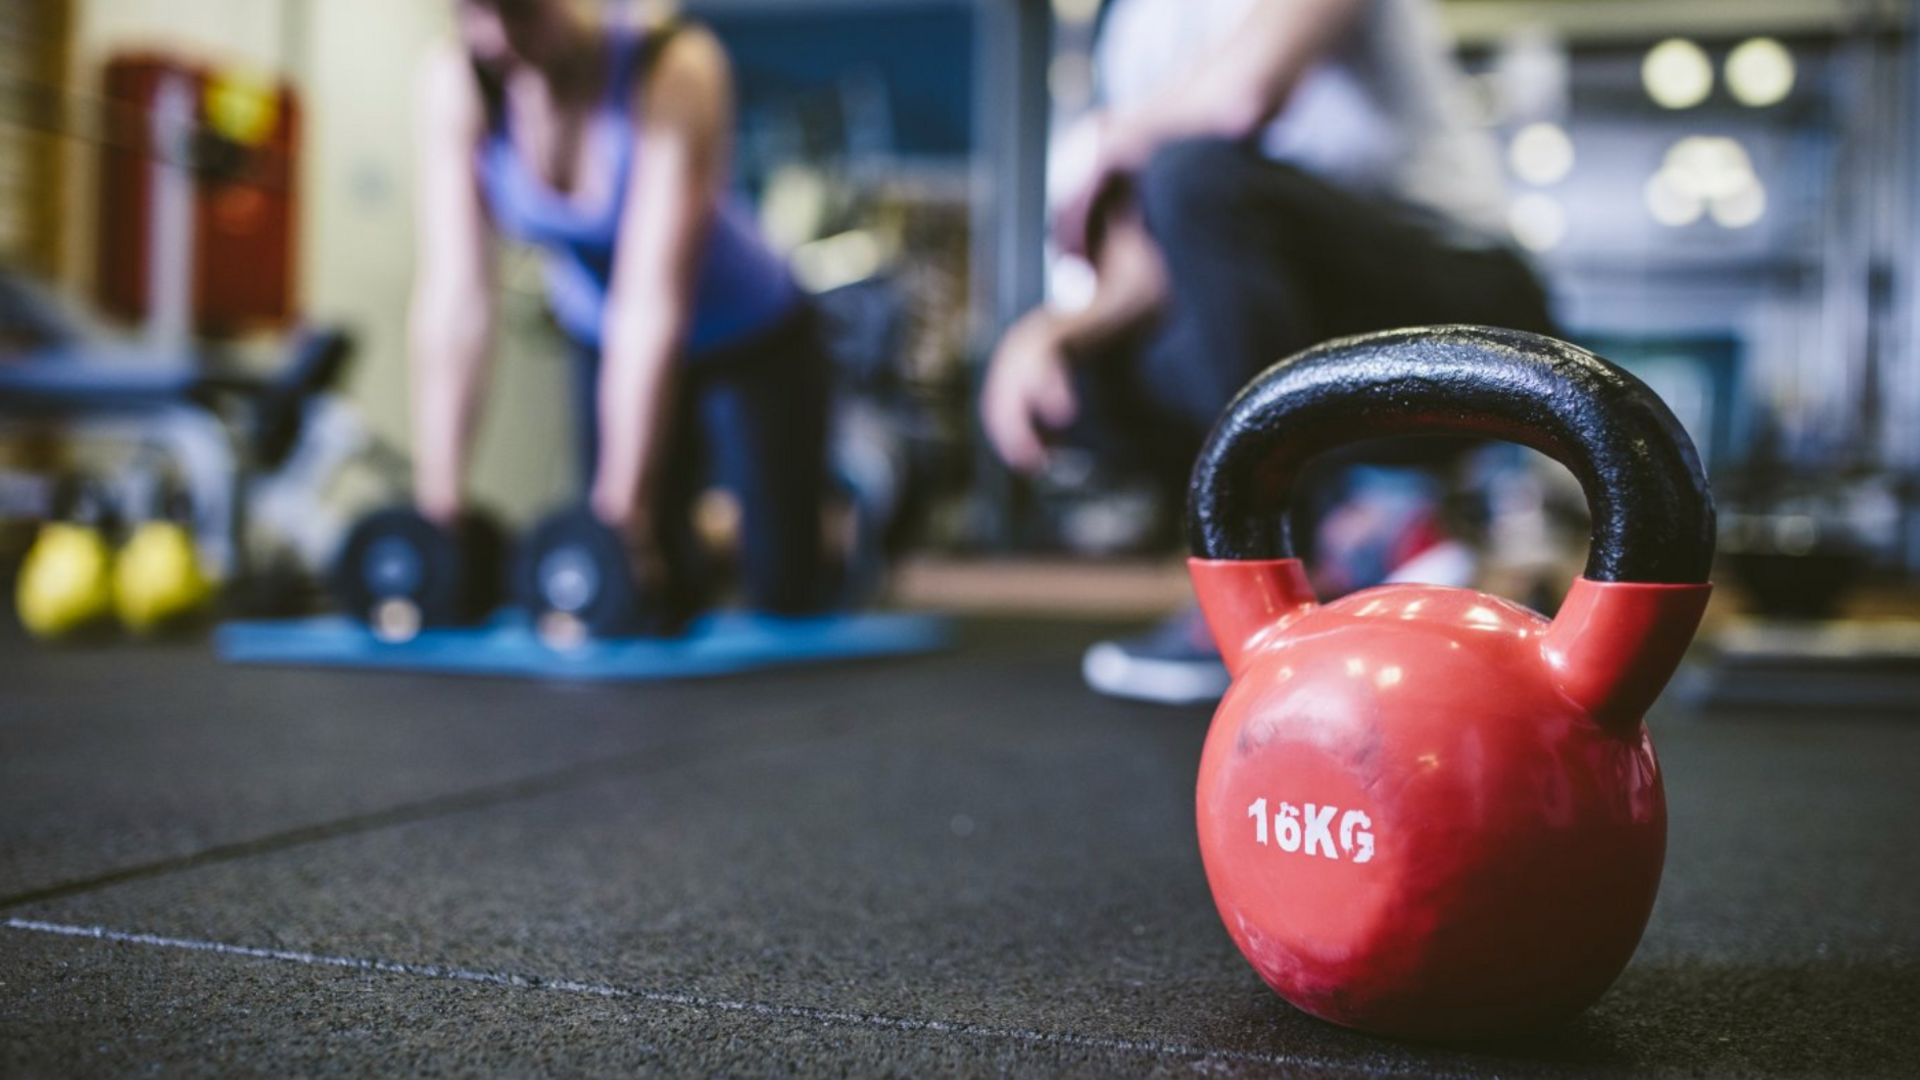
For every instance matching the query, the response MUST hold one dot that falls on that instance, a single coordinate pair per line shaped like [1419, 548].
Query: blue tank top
[742, 287]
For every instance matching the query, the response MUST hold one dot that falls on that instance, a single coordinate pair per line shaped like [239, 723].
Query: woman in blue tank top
[606, 143]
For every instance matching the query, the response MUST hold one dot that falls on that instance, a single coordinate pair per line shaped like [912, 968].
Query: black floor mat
[953, 865]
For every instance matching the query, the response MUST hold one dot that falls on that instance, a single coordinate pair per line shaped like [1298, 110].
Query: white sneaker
[1175, 663]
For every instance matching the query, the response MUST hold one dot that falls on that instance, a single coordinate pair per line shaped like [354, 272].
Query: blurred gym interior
[907, 839]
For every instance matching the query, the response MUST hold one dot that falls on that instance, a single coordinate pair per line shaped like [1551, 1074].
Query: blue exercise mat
[721, 643]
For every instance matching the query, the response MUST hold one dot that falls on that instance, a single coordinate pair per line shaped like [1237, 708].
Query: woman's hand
[644, 558]
[1028, 391]
[438, 504]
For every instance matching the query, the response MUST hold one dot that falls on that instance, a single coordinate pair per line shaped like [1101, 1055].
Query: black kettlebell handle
[1652, 513]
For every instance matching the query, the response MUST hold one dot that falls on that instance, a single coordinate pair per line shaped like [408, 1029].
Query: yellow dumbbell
[157, 580]
[66, 583]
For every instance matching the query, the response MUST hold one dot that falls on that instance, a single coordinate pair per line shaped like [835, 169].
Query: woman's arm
[686, 115]
[451, 320]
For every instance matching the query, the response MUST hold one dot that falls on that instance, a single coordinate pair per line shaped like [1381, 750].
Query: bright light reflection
[1388, 676]
[1356, 666]
[1538, 221]
[1541, 153]
[1669, 205]
[1710, 166]
[1677, 74]
[1742, 208]
[1760, 72]
[1482, 615]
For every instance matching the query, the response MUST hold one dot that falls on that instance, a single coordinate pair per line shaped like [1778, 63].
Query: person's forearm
[672, 191]
[448, 342]
[1131, 292]
[637, 377]
[1235, 89]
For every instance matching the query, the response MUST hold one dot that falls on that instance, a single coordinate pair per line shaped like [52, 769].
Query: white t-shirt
[1385, 113]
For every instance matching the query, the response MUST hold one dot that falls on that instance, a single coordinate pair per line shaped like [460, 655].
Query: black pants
[752, 418]
[1264, 260]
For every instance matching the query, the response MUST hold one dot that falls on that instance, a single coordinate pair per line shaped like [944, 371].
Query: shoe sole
[1448, 563]
[1110, 670]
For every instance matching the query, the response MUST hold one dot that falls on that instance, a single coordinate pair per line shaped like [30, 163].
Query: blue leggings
[750, 417]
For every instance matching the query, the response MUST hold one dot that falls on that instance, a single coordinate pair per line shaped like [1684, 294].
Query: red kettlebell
[1428, 812]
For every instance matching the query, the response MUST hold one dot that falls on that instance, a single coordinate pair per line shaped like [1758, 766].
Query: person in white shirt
[1264, 175]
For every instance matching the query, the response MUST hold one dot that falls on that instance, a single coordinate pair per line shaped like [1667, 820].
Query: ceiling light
[1669, 205]
[1760, 72]
[1541, 153]
[1740, 209]
[1538, 221]
[1677, 74]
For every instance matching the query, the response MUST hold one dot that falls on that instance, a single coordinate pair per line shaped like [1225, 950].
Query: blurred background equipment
[193, 169]
[225, 422]
[65, 586]
[157, 580]
[158, 583]
[1725, 197]
[197, 196]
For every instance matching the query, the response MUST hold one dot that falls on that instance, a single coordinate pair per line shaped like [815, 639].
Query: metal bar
[1013, 43]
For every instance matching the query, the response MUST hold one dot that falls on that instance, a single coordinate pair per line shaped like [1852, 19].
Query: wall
[32, 57]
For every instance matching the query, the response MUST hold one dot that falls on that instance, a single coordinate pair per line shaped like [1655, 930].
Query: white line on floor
[662, 997]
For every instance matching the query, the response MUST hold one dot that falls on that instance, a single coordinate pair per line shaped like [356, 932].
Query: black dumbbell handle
[1652, 513]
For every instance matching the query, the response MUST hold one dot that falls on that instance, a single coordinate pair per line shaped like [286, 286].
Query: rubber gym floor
[962, 864]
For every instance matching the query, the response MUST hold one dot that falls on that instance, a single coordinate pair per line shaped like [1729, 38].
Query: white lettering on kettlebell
[1357, 827]
[1294, 828]
[1287, 824]
[1320, 829]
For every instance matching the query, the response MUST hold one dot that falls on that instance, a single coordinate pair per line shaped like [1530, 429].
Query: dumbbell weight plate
[574, 578]
[401, 573]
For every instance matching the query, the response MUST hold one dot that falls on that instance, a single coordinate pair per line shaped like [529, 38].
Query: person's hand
[440, 507]
[1028, 391]
[644, 559]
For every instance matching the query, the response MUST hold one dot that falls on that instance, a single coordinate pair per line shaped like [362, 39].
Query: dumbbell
[576, 580]
[158, 584]
[65, 587]
[400, 573]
